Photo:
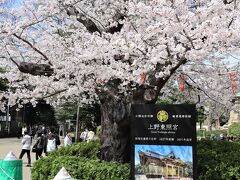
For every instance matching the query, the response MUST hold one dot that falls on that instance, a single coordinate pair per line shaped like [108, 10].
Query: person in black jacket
[39, 145]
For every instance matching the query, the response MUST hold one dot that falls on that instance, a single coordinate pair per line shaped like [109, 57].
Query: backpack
[51, 145]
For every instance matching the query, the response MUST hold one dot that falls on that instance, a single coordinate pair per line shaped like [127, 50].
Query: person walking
[68, 139]
[52, 141]
[44, 136]
[26, 141]
[39, 145]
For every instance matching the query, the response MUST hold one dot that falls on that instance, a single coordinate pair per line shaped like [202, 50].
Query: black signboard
[163, 142]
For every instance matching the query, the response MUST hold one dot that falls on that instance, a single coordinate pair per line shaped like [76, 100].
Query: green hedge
[80, 168]
[82, 162]
[218, 160]
[89, 150]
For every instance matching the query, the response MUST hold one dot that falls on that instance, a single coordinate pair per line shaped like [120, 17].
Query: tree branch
[53, 94]
[87, 21]
[12, 59]
[36, 69]
[47, 96]
[82, 18]
[31, 24]
[200, 89]
[31, 68]
[33, 47]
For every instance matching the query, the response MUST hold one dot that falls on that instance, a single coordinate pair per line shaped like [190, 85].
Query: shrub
[82, 168]
[82, 162]
[216, 133]
[88, 150]
[218, 160]
[234, 129]
[42, 168]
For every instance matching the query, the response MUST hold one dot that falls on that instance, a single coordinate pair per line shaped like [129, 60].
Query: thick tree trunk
[115, 122]
[115, 137]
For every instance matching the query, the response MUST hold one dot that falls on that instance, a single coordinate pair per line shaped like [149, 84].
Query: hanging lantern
[142, 78]
[233, 82]
[181, 83]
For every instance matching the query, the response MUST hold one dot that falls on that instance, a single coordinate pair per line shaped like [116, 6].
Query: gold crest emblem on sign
[162, 116]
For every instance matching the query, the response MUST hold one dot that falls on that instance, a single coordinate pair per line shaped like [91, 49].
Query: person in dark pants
[40, 144]
[26, 141]
[44, 136]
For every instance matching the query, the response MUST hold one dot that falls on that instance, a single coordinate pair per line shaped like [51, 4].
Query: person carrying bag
[52, 141]
[67, 139]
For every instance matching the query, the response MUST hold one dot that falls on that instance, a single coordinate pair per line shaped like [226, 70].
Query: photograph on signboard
[163, 162]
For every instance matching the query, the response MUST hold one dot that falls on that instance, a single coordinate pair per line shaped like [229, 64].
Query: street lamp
[77, 122]
[8, 119]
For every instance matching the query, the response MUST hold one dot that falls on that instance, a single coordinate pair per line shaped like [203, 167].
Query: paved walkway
[14, 145]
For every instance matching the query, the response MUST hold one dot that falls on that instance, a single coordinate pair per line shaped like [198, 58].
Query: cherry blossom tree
[207, 86]
[117, 52]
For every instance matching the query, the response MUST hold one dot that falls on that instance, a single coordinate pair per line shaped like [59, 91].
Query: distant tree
[66, 111]
[44, 114]
[90, 116]
[41, 114]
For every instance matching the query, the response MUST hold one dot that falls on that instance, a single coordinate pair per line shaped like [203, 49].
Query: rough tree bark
[115, 121]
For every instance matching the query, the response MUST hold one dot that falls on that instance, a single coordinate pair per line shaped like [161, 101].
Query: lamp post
[77, 122]
[8, 119]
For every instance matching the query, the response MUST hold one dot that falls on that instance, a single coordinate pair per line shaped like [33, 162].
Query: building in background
[235, 112]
